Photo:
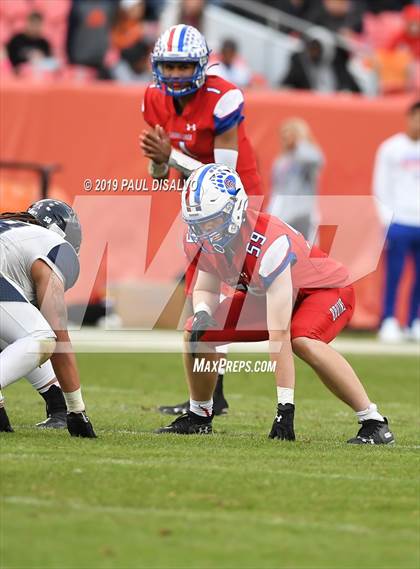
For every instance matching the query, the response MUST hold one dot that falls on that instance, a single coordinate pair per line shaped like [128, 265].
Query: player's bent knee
[44, 342]
[306, 349]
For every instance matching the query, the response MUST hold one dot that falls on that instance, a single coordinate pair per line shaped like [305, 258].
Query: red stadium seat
[379, 29]
[53, 10]
[12, 9]
[5, 31]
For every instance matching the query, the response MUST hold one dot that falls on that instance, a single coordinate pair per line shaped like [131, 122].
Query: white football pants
[23, 330]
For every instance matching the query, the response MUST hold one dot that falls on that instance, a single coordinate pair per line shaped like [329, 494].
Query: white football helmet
[215, 193]
[180, 43]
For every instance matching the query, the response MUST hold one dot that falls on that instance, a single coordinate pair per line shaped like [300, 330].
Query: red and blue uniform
[215, 108]
[265, 246]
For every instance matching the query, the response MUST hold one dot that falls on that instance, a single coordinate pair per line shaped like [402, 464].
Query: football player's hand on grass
[283, 428]
[156, 144]
[202, 321]
[79, 425]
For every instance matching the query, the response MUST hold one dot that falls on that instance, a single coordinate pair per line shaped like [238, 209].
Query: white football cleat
[413, 332]
[390, 331]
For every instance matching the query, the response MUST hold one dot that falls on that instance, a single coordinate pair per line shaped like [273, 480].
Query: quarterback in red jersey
[290, 293]
[196, 119]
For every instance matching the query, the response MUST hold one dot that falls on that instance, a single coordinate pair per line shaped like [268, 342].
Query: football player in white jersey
[38, 263]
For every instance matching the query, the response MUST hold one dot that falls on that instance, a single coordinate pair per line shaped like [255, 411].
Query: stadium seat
[55, 11]
[379, 29]
[4, 32]
[13, 9]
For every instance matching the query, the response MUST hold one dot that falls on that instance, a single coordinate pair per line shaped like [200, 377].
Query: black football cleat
[188, 424]
[373, 432]
[54, 421]
[283, 428]
[5, 426]
[78, 425]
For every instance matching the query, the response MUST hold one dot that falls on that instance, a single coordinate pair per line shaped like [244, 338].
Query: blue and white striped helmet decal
[181, 41]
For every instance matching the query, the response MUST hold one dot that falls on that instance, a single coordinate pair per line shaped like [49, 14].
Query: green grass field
[133, 499]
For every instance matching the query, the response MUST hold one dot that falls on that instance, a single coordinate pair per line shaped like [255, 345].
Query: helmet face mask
[180, 44]
[60, 218]
[178, 86]
[219, 234]
[214, 203]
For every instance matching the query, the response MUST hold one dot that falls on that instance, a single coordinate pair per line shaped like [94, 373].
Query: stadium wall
[92, 132]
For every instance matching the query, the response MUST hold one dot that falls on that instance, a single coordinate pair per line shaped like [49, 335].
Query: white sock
[285, 395]
[222, 366]
[1, 399]
[74, 401]
[20, 358]
[370, 413]
[202, 408]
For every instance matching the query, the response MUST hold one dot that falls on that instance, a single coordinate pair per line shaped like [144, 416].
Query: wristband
[226, 156]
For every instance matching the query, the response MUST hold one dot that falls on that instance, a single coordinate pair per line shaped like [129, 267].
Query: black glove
[5, 426]
[201, 322]
[78, 425]
[283, 423]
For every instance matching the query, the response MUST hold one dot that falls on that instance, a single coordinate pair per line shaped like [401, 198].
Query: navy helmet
[60, 218]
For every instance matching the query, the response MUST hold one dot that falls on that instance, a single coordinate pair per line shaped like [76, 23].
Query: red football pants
[320, 315]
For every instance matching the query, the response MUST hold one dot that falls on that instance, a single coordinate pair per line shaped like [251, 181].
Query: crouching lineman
[271, 265]
[38, 263]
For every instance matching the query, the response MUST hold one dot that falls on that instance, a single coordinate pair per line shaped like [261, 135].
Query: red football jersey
[265, 247]
[215, 108]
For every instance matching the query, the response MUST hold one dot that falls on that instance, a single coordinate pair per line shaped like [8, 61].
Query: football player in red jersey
[288, 292]
[196, 119]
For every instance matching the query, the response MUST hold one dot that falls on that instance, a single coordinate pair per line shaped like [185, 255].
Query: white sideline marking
[199, 515]
[90, 339]
[208, 466]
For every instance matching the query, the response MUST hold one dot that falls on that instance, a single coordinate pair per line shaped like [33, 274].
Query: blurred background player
[196, 119]
[294, 177]
[230, 65]
[397, 186]
[321, 65]
[291, 294]
[38, 263]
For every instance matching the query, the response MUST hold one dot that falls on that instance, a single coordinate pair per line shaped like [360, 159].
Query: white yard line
[93, 340]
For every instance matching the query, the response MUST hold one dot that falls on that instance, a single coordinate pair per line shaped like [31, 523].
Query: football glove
[5, 426]
[283, 423]
[79, 425]
[201, 322]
